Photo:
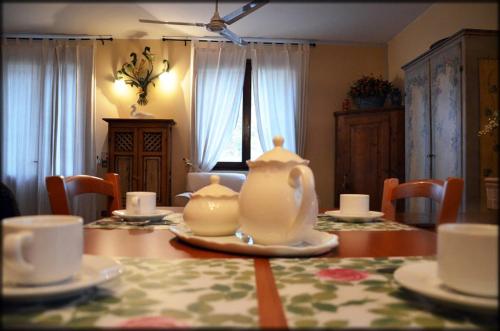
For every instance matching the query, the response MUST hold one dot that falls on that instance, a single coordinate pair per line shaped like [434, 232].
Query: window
[46, 122]
[229, 86]
[244, 144]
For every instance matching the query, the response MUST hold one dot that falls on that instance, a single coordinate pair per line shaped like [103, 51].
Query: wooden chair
[447, 194]
[62, 189]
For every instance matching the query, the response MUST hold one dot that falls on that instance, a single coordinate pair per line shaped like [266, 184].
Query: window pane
[232, 151]
[256, 149]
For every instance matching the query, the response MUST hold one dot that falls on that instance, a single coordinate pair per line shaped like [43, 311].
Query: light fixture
[140, 73]
[167, 81]
[119, 85]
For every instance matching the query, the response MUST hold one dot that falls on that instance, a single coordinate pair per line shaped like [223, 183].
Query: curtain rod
[56, 36]
[249, 40]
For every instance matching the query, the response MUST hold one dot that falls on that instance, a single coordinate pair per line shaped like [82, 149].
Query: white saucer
[316, 243]
[421, 277]
[370, 216]
[158, 214]
[95, 270]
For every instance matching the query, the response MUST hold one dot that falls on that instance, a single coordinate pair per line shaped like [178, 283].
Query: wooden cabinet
[443, 113]
[369, 147]
[140, 151]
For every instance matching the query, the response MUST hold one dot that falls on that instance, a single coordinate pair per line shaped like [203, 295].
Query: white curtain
[218, 74]
[47, 118]
[279, 76]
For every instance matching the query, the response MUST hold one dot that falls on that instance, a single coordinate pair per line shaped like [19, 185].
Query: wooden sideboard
[140, 151]
[369, 147]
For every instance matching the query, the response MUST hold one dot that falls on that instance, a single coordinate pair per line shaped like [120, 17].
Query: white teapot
[277, 202]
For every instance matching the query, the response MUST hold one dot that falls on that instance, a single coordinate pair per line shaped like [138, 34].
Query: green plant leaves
[391, 322]
[299, 310]
[220, 287]
[324, 306]
[200, 307]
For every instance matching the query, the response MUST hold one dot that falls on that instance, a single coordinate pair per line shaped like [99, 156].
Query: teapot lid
[280, 154]
[215, 190]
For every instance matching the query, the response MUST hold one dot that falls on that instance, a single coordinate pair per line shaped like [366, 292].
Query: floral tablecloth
[323, 223]
[117, 223]
[360, 293]
[314, 292]
[155, 293]
[328, 223]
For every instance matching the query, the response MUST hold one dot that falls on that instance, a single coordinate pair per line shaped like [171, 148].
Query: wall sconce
[167, 81]
[139, 74]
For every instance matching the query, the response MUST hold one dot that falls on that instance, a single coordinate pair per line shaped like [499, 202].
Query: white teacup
[354, 204]
[141, 203]
[467, 256]
[41, 249]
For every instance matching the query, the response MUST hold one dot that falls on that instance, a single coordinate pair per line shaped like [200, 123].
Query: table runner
[328, 224]
[155, 292]
[360, 293]
[117, 223]
[323, 223]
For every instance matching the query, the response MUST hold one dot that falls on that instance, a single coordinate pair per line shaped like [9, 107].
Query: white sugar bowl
[212, 210]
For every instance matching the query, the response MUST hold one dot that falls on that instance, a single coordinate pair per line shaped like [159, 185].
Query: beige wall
[439, 21]
[170, 101]
[332, 69]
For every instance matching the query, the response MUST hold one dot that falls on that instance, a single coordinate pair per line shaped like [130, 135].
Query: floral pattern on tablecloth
[323, 223]
[155, 293]
[359, 293]
[327, 224]
[117, 223]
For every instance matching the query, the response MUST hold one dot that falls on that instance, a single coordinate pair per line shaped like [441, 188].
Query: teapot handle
[308, 200]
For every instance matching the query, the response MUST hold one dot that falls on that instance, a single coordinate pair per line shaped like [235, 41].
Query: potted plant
[491, 183]
[370, 92]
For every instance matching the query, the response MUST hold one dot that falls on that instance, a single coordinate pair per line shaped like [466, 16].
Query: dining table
[168, 282]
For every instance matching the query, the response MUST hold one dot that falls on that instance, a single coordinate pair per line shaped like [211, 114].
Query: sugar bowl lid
[279, 154]
[215, 190]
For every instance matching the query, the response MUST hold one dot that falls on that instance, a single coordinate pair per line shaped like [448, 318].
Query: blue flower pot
[369, 102]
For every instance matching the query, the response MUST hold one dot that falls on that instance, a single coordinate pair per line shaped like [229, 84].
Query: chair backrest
[448, 194]
[61, 189]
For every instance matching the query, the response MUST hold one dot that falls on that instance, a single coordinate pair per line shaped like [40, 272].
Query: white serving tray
[316, 243]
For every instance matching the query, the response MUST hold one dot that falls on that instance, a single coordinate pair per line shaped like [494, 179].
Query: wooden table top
[163, 244]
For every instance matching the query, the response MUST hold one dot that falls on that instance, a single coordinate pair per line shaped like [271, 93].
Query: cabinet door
[152, 162]
[363, 147]
[446, 113]
[418, 132]
[122, 149]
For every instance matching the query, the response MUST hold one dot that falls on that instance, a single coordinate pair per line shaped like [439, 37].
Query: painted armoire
[443, 113]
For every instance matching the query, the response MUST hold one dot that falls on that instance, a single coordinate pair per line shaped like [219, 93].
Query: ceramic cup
[41, 249]
[467, 256]
[354, 204]
[141, 203]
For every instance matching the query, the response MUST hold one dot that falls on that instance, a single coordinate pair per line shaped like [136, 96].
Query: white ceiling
[348, 22]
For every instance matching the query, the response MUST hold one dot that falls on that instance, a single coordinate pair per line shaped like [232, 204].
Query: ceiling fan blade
[243, 11]
[174, 23]
[185, 23]
[152, 21]
[232, 36]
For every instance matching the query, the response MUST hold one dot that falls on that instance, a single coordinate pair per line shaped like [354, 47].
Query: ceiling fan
[218, 24]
